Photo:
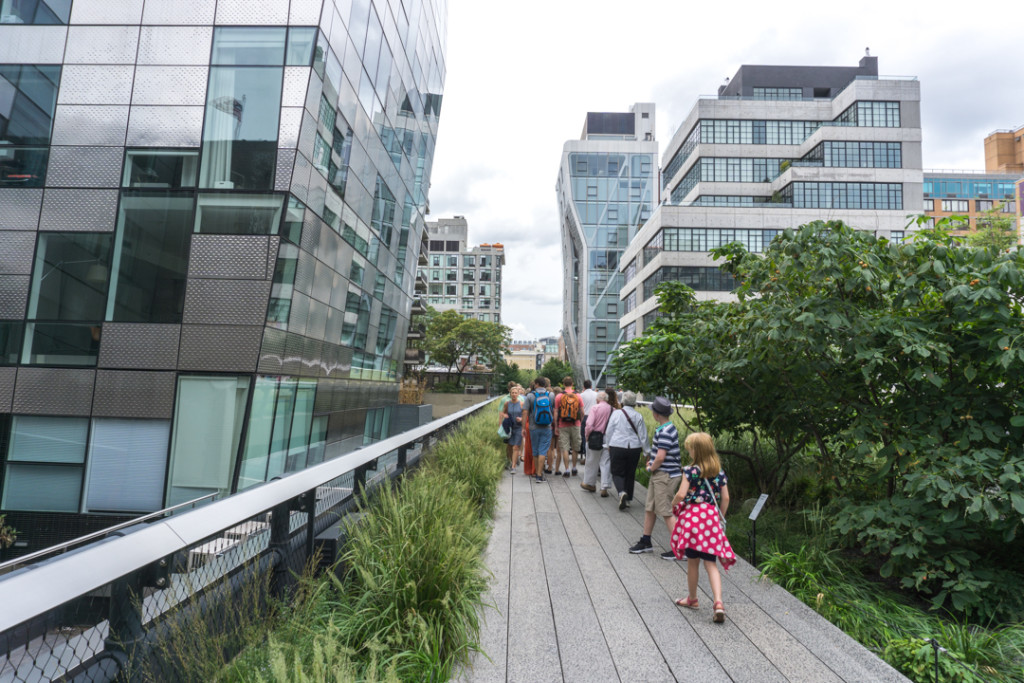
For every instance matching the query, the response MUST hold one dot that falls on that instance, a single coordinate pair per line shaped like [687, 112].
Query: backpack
[569, 408]
[542, 409]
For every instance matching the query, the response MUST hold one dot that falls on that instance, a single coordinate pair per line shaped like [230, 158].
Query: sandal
[688, 602]
[719, 616]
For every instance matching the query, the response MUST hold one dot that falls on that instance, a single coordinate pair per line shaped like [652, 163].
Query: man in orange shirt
[569, 412]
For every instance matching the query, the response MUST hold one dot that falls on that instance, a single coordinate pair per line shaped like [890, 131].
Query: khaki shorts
[569, 437]
[660, 492]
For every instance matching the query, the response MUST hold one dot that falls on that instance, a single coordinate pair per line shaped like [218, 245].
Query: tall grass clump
[414, 577]
[896, 630]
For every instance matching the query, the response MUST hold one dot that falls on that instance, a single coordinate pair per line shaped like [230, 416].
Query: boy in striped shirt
[665, 465]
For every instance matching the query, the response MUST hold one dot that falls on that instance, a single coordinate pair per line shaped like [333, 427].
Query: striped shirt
[666, 437]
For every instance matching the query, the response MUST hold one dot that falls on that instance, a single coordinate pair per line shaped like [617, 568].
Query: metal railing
[60, 548]
[99, 612]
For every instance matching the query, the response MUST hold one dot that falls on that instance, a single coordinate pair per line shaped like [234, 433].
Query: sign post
[753, 526]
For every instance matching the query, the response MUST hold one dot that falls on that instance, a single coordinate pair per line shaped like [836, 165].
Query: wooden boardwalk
[571, 604]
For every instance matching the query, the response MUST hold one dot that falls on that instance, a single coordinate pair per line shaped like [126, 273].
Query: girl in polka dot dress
[698, 534]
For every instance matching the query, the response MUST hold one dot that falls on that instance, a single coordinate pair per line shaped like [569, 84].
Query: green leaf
[970, 373]
[1017, 420]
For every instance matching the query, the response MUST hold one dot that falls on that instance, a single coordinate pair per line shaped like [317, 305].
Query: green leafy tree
[556, 370]
[900, 366]
[505, 372]
[996, 230]
[452, 340]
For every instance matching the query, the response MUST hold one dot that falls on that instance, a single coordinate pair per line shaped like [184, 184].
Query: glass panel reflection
[34, 11]
[240, 133]
[249, 46]
[300, 46]
[154, 232]
[23, 166]
[160, 168]
[238, 214]
[70, 276]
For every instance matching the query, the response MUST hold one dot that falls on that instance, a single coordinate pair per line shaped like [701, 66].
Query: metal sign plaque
[757, 506]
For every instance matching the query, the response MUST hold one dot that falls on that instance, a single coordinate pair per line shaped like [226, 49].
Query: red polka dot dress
[697, 526]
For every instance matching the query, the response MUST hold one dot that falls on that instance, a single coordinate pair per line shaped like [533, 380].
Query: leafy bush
[890, 626]
[897, 367]
[407, 609]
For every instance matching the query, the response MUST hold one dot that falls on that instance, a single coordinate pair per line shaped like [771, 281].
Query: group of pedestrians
[691, 500]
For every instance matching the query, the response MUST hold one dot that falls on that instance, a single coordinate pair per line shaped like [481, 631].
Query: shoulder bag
[721, 517]
[633, 426]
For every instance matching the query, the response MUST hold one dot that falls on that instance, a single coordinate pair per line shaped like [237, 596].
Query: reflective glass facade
[210, 219]
[606, 192]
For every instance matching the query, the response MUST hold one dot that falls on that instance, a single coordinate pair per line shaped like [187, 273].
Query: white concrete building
[459, 277]
[779, 146]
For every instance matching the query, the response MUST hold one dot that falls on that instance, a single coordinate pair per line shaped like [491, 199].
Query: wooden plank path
[569, 603]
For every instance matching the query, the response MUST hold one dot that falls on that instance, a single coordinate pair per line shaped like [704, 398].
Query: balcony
[414, 356]
[416, 332]
[418, 307]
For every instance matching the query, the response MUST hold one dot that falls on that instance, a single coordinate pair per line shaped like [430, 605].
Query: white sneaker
[623, 503]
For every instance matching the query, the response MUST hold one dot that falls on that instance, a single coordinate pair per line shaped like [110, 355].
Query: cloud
[519, 83]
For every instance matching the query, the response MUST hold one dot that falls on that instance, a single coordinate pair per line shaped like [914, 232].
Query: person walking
[540, 409]
[699, 535]
[665, 468]
[626, 437]
[503, 415]
[527, 451]
[589, 398]
[513, 410]
[598, 458]
[569, 409]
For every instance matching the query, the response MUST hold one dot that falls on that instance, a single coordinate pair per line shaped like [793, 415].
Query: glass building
[211, 215]
[607, 187]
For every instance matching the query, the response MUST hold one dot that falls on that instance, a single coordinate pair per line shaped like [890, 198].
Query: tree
[556, 370]
[452, 340]
[997, 230]
[899, 366]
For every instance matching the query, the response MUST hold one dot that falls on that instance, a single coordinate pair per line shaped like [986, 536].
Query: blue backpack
[542, 409]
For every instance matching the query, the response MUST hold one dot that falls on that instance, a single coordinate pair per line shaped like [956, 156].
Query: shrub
[407, 609]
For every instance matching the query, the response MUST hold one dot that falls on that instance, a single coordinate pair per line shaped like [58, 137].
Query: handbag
[503, 433]
[721, 517]
[595, 440]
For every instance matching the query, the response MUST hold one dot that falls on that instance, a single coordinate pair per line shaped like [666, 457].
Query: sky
[521, 77]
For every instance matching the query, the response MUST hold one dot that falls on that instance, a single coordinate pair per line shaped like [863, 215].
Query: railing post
[125, 621]
[307, 504]
[402, 453]
[280, 517]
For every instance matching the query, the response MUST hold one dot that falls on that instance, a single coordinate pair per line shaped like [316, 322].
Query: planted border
[407, 609]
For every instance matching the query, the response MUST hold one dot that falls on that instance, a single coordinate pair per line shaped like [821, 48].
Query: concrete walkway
[571, 604]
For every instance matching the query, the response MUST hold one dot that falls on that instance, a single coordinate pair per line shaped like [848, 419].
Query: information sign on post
[753, 527]
[757, 507]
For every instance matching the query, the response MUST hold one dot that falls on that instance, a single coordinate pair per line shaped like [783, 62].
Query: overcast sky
[521, 77]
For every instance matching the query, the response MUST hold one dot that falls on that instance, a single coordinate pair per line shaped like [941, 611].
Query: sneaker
[622, 501]
[668, 555]
[566, 474]
[540, 479]
[574, 472]
[642, 546]
[604, 493]
[588, 487]
[547, 470]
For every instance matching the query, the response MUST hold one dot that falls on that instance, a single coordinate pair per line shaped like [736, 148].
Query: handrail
[54, 549]
[49, 585]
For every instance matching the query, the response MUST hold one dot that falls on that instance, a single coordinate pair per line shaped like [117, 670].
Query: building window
[67, 298]
[45, 464]
[698, 278]
[929, 205]
[451, 290]
[239, 214]
[154, 232]
[843, 195]
[163, 169]
[983, 205]
[600, 331]
[1008, 207]
[778, 93]
[207, 428]
[34, 12]
[28, 97]
[954, 205]
[127, 460]
[613, 309]
[436, 245]
[452, 246]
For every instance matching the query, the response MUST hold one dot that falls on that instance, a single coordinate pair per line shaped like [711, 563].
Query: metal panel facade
[151, 223]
